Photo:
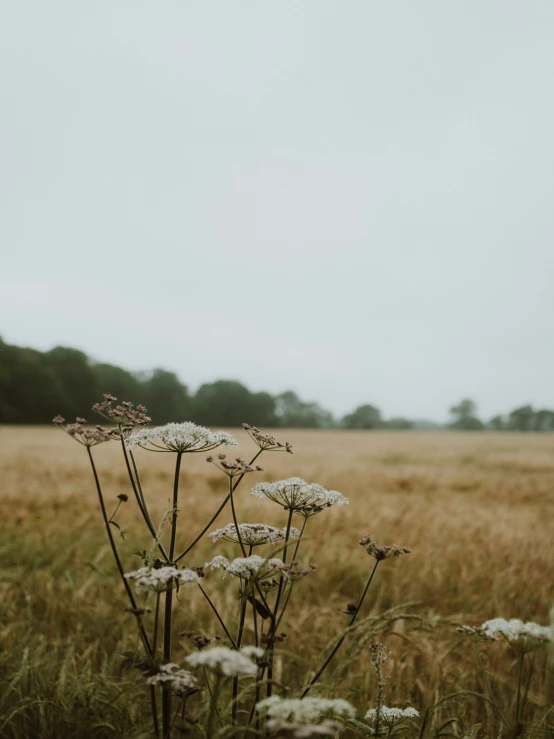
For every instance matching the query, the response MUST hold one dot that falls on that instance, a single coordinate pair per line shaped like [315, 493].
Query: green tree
[76, 378]
[522, 419]
[544, 420]
[292, 412]
[402, 424]
[165, 397]
[465, 416]
[116, 381]
[497, 423]
[364, 417]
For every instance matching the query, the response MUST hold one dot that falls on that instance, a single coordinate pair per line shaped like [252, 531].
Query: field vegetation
[475, 508]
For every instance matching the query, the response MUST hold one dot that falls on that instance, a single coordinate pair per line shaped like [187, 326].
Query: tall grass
[476, 509]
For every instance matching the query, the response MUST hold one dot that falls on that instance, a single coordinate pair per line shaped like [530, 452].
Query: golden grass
[476, 508]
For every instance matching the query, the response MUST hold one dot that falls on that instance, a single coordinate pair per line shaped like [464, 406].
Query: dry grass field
[476, 508]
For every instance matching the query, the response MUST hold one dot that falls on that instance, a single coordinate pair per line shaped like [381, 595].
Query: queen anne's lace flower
[227, 661]
[179, 437]
[247, 567]
[180, 681]
[298, 495]
[163, 578]
[253, 534]
[522, 636]
[392, 716]
[305, 710]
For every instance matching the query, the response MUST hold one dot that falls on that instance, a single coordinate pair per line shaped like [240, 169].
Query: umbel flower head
[253, 534]
[180, 681]
[179, 437]
[266, 442]
[382, 552]
[525, 637]
[305, 710]
[235, 467]
[161, 578]
[85, 436]
[225, 661]
[253, 567]
[391, 717]
[125, 415]
[300, 496]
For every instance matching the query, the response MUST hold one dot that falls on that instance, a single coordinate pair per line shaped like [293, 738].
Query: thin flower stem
[299, 538]
[519, 706]
[154, 704]
[235, 689]
[142, 508]
[156, 619]
[214, 609]
[211, 693]
[343, 637]
[142, 632]
[166, 690]
[239, 538]
[213, 707]
[273, 627]
[216, 514]
[489, 688]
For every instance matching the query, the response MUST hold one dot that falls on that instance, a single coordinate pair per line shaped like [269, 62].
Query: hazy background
[349, 199]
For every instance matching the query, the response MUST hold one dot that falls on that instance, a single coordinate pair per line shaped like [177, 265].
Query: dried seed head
[266, 442]
[382, 552]
[123, 497]
[125, 416]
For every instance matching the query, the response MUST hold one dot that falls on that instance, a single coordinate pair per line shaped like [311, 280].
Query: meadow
[475, 508]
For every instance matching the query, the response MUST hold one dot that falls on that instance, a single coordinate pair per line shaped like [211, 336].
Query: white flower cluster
[149, 578]
[180, 437]
[178, 679]
[227, 661]
[392, 716]
[247, 567]
[298, 495]
[522, 636]
[253, 534]
[305, 710]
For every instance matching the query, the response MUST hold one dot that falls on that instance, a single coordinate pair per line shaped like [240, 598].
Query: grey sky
[352, 199]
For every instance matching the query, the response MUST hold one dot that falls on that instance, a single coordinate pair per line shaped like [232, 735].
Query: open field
[476, 508]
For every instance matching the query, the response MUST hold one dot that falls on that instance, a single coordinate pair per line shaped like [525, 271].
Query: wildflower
[161, 578]
[391, 717]
[200, 641]
[85, 436]
[525, 637]
[247, 567]
[253, 534]
[382, 552]
[233, 469]
[180, 681]
[305, 710]
[180, 437]
[295, 494]
[227, 661]
[125, 415]
[266, 442]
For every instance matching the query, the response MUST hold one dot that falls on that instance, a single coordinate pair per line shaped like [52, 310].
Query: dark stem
[216, 514]
[343, 637]
[214, 609]
[115, 553]
[166, 690]
[139, 498]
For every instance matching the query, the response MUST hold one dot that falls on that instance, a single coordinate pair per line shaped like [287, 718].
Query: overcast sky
[349, 198]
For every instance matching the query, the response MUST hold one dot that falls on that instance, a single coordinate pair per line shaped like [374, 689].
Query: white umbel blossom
[524, 637]
[247, 567]
[179, 437]
[163, 578]
[298, 495]
[179, 680]
[253, 534]
[392, 716]
[227, 661]
[305, 710]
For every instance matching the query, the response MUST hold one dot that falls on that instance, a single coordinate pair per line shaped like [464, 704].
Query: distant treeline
[36, 386]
